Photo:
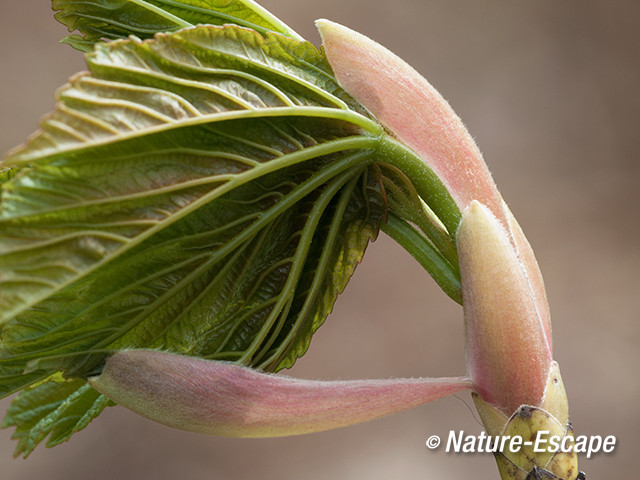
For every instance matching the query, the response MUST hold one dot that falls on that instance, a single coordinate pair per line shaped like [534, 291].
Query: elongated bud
[508, 353]
[507, 320]
[408, 106]
[519, 391]
[415, 113]
[222, 398]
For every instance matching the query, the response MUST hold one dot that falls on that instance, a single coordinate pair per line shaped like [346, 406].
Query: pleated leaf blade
[208, 192]
[100, 20]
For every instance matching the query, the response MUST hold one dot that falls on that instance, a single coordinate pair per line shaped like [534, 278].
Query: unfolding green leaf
[208, 192]
[78, 42]
[55, 409]
[99, 20]
[157, 130]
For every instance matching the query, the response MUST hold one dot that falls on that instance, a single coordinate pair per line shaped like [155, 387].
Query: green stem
[420, 248]
[440, 238]
[404, 201]
[426, 182]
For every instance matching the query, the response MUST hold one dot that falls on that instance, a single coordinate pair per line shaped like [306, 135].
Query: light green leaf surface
[99, 20]
[157, 130]
[209, 192]
[55, 410]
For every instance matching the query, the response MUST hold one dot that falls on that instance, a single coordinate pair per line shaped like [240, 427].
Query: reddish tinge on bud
[508, 354]
[507, 317]
[412, 110]
[222, 398]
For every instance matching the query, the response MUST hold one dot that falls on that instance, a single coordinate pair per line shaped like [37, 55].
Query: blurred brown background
[550, 90]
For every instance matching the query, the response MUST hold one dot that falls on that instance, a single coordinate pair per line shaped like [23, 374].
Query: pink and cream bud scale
[221, 398]
[508, 353]
[517, 386]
